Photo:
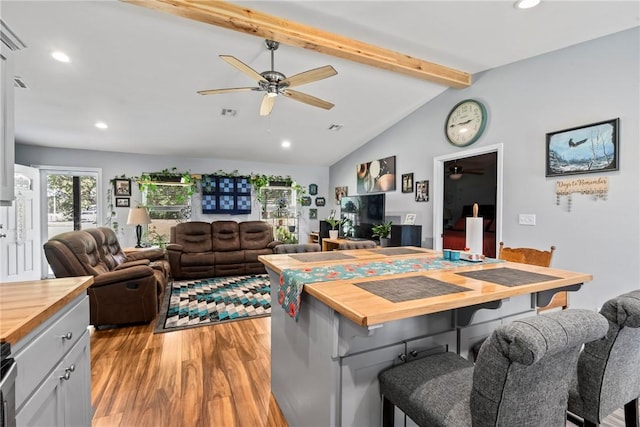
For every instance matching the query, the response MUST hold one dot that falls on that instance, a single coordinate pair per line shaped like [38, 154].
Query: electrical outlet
[527, 219]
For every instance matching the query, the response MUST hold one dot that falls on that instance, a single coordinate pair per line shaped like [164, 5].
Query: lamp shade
[138, 216]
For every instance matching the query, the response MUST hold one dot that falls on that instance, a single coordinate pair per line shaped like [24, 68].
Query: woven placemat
[320, 256]
[398, 251]
[508, 276]
[409, 288]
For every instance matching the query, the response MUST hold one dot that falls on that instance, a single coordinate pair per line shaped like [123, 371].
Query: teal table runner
[292, 281]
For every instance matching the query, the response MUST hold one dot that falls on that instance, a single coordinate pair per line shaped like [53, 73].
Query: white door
[20, 246]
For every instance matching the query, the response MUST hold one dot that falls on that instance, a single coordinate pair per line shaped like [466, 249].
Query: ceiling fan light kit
[526, 4]
[273, 82]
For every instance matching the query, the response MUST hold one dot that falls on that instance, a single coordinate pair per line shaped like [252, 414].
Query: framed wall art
[122, 202]
[407, 182]
[313, 189]
[376, 176]
[320, 201]
[583, 149]
[122, 187]
[305, 201]
[422, 191]
[340, 192]
[313, 213]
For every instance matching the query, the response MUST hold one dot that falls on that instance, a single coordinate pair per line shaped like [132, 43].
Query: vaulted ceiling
[138, 70]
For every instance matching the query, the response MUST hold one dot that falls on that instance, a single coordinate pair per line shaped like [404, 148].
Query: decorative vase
[384, 242]
[333, 234]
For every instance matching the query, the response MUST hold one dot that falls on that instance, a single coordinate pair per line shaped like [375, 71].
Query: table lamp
[138, 217]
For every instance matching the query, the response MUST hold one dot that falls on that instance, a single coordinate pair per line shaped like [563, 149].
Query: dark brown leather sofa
[125, 289]
[221, 248]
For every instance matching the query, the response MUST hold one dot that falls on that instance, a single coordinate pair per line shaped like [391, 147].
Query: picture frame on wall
[376, 176]
[122, 187]
[122, 202]
[590, 148]
[313, 213]
[407, 182]
[320, 201]
[422, 191]
[341, 192]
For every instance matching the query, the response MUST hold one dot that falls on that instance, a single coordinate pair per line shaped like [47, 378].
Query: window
[168, 204]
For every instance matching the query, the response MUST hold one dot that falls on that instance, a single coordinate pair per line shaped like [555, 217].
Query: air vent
[18, 82]
[335, 127]
[228, 112]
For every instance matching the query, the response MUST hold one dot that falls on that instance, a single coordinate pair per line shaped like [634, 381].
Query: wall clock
[465, 123]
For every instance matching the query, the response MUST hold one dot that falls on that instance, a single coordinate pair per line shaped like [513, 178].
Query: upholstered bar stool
[608, 371]
[293, 248]
[521, 377]
[356, 244]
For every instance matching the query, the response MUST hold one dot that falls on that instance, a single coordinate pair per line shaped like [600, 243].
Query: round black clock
[465, 123]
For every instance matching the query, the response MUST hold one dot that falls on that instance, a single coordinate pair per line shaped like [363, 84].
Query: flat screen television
[360, 214]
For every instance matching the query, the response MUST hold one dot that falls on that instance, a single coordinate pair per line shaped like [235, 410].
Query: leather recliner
[126, 293]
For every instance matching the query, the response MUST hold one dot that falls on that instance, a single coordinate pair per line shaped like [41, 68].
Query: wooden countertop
[366, 309]
[26, 305]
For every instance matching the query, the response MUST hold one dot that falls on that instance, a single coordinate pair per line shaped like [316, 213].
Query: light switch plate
[527, 219]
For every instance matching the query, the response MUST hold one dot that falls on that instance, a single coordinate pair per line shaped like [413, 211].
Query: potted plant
[383, 231]
[334, 223]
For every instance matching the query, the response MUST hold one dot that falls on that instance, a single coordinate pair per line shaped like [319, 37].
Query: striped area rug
[192, 303]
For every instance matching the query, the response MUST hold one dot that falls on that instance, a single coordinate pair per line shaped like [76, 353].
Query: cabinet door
[44, 407]
[77, 389]
[361, 400]
[7, 155]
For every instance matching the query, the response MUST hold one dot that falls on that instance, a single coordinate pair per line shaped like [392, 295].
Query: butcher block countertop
[26, 305]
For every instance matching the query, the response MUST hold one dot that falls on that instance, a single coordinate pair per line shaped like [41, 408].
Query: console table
[345, 335]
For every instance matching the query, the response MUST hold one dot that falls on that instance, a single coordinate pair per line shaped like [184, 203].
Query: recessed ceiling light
[526, 4]
[60, 56]
[285, 144]
[101, 125]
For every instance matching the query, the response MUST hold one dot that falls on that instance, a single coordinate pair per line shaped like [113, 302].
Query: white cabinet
[10, 42]
[53, 385]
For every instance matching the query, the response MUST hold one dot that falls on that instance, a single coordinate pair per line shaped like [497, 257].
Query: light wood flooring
[202, 377]
[207, 376]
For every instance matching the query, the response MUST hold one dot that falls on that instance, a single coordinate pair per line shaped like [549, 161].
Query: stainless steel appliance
[7, 387]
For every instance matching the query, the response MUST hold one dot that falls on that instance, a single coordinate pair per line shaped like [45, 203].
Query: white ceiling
[138, 70]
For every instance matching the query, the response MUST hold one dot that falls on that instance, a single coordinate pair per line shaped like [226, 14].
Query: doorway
[445, 169]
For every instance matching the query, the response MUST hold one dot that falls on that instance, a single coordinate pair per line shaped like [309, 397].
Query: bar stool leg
[387, 413]
[631, 414]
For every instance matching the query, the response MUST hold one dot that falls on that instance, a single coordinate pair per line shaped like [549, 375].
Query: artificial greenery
[382, 230]
[285, 236]
[333, 222]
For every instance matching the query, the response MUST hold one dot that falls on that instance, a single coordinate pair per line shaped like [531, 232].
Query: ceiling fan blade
[310, 76]
[307, 99]
[227, 90]
[243, 67]
[267, 104]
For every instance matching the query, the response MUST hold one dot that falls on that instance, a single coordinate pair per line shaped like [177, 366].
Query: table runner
[292, 281]
[320, 256]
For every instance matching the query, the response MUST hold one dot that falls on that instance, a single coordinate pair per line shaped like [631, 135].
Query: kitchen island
[366, 310]
[46, 323]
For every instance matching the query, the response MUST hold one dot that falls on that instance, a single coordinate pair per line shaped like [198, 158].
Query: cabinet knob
[66, 375]
[402, 357]
[71, 368]
[67, 336]
[413, 353]
[2, 236]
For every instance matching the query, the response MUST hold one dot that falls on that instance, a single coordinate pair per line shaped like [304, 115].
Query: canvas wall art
[376, 176]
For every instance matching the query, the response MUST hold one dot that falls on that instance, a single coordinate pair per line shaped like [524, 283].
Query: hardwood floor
[209, 376]
[201, 377]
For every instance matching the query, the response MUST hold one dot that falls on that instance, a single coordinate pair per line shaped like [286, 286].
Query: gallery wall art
[376, 176]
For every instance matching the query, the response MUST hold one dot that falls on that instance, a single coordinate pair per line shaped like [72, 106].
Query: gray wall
[116, 164]
[582, 84]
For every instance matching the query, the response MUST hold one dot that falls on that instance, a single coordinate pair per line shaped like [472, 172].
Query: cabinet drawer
[39, 352]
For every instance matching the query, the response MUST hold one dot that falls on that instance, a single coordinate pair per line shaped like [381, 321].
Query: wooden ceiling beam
[248, 21]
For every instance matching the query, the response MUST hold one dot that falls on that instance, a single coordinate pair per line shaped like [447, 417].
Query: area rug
[193, 303]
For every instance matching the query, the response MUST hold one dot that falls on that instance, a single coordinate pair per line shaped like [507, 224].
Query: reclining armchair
[128, 292]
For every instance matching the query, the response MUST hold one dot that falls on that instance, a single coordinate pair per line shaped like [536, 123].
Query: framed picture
[320, 201]
[584, 149]
[410, 219]
[376, 176]
[313, 213]
[313, 189]
[305, 201]
[407, 182]
[340, 192]
[122, 187]
[422, 191]
[122, 202]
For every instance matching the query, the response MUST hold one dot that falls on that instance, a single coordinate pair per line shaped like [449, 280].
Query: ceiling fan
[274, 82]
[456, 171]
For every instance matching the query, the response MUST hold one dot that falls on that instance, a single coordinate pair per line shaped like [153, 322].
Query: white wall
[586, 83]
[116, 164]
